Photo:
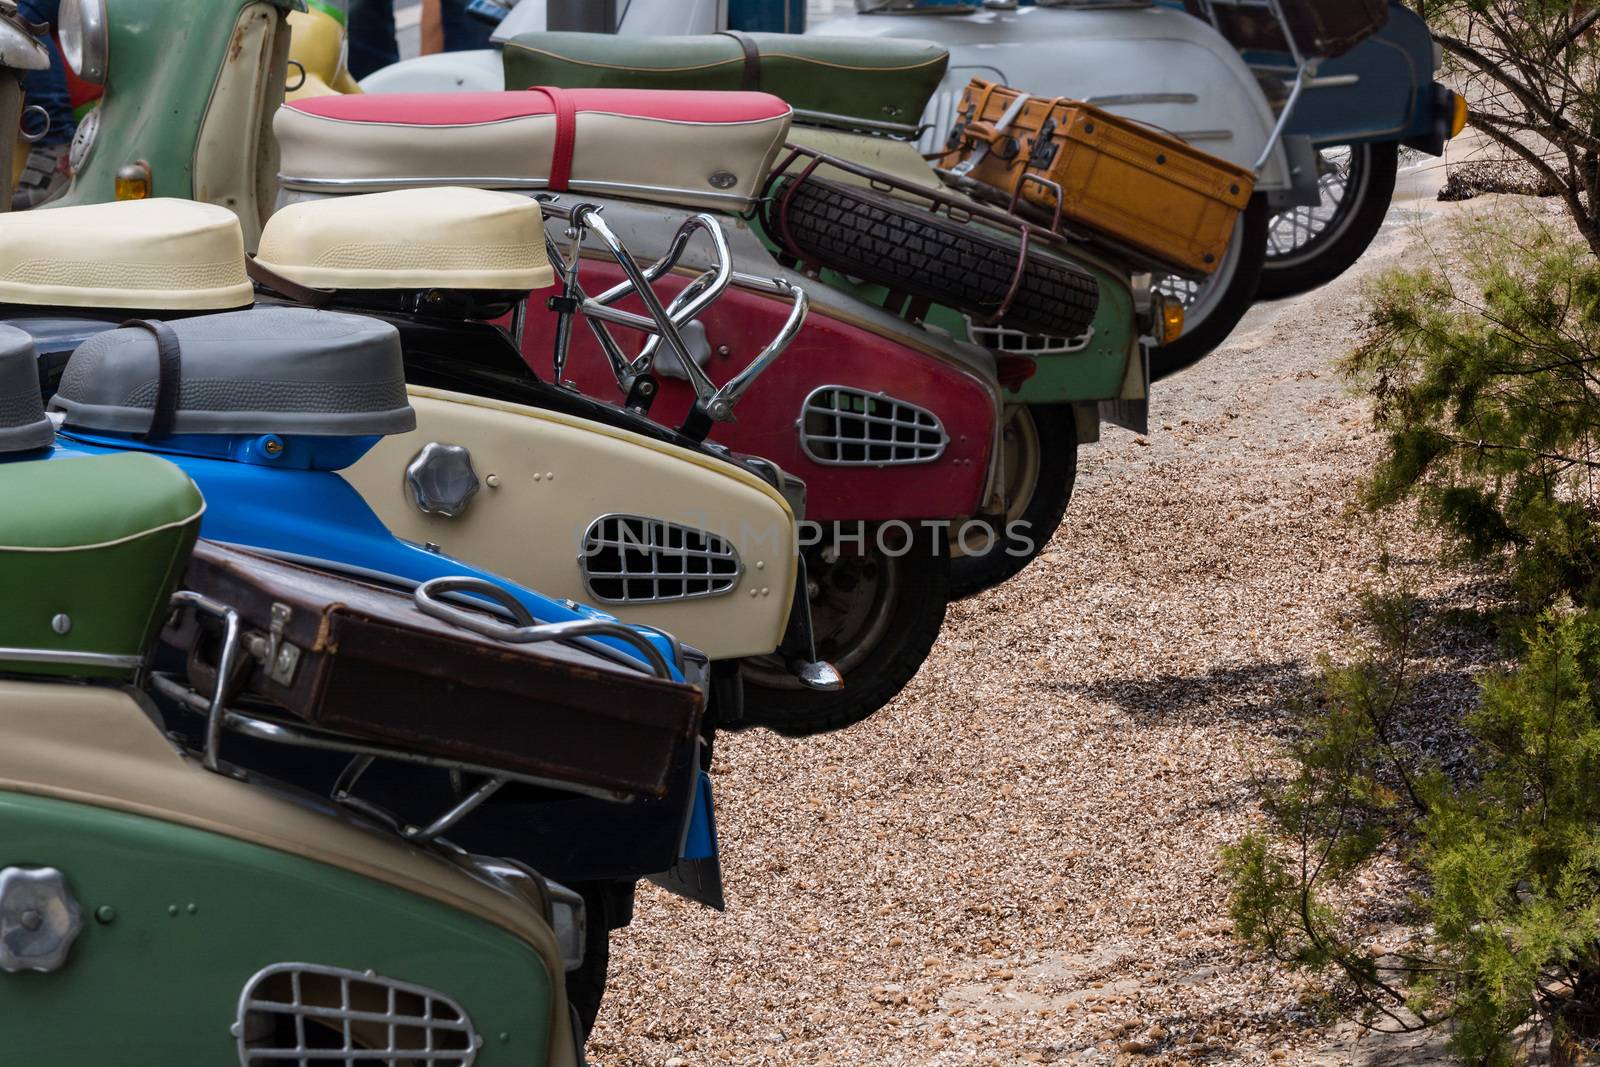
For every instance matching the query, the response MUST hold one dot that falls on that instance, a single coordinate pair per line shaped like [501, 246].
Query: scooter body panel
[830, 353]
[549, 478]
[1154, 66]
[190, 91]
[1381, 90]
[227, 878]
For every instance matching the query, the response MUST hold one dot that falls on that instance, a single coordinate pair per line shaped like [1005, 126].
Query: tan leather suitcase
[1129, 184]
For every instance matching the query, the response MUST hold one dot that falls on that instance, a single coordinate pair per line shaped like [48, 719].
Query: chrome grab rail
[1305, 70]
[663, 323]
[527, 631]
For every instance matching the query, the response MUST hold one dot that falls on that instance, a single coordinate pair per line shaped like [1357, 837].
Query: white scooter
[1153, 64]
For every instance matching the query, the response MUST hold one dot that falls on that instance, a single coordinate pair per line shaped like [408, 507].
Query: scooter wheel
[1041, 464]
[1214, 307]
[586, 986]
[1311, 246]
[877, 608]
[870, 235]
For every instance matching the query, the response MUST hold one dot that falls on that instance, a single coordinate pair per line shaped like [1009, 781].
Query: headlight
[85, 43]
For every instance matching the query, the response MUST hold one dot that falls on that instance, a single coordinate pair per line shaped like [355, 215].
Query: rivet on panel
[761, 564]
[62, 624]
[193, 908]
[492, 481]
[105, 915]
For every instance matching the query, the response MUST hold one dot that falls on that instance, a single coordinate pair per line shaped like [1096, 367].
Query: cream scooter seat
[699, 149]
[161, 254]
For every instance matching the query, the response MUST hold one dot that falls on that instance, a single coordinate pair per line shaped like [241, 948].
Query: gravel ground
[1017, 861]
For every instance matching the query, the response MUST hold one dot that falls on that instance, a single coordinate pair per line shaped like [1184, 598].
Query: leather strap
[752, 60]
[268, 278]
[169, 381]
[566, 113]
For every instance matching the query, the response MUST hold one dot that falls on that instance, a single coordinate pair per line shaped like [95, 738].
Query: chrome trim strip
[74, 659]
[674, 193]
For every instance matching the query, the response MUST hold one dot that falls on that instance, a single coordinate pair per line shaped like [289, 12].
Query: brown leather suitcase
[1322, 28]
[361, 661]
[1130, 185]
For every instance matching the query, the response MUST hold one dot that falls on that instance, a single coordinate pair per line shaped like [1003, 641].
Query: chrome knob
[441, 479]
[39, 919]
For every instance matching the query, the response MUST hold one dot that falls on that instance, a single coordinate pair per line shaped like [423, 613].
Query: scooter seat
[837, 80]
[269, 370]
[450, 238]
[695, 149]
[153, 255]
[23, 423]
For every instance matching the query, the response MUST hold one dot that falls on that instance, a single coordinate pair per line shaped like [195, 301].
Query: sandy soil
[1016, 862]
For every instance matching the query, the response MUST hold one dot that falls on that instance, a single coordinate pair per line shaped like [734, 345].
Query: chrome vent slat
[634, 559]
[1018, 342]
[426, 1027]
[844, 427]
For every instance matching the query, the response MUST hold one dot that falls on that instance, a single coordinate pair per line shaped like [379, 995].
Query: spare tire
[873, 236]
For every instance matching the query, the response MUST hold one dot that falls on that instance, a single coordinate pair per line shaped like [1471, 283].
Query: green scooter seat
[830, 80]
[91, 548]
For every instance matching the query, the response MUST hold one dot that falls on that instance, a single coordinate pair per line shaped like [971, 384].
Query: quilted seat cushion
[698, 149]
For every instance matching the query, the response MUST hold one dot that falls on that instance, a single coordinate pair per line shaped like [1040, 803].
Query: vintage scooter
[1358, 111]
[197, 911]
[1285, 115]
[865, 185]
[855, 373]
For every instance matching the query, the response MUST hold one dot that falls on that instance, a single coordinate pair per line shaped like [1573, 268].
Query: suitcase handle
[528, 630]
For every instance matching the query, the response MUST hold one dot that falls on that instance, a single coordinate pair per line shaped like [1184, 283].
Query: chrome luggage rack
[224, 711]
[664, 323]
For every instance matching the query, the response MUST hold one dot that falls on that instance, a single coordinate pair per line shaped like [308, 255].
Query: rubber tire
[1341, 253]
[1201, 338]
[586, 986]
[868, 686]
[1058, 470]
[869, 235]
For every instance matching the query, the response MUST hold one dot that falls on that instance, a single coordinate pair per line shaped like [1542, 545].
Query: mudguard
[548, 477]
[197, 882]
[1382, 90]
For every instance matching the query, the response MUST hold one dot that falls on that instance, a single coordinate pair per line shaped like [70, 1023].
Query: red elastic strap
[566, 133]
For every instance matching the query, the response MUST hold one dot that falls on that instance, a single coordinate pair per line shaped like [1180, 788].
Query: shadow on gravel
[1258, 692]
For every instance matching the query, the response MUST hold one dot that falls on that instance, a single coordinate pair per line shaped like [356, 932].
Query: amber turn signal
[133, 181]
[1458, 118]
[1171, 320]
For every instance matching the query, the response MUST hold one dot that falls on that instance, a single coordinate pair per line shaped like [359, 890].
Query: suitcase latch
[1044, 146]
[278, 658]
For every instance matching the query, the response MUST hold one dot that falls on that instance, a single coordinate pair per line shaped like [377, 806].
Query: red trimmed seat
[698, 148]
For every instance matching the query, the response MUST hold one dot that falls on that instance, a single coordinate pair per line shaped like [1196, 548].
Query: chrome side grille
[1005, 339]
[843, 427]
[304, 1013]
[632, 559]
